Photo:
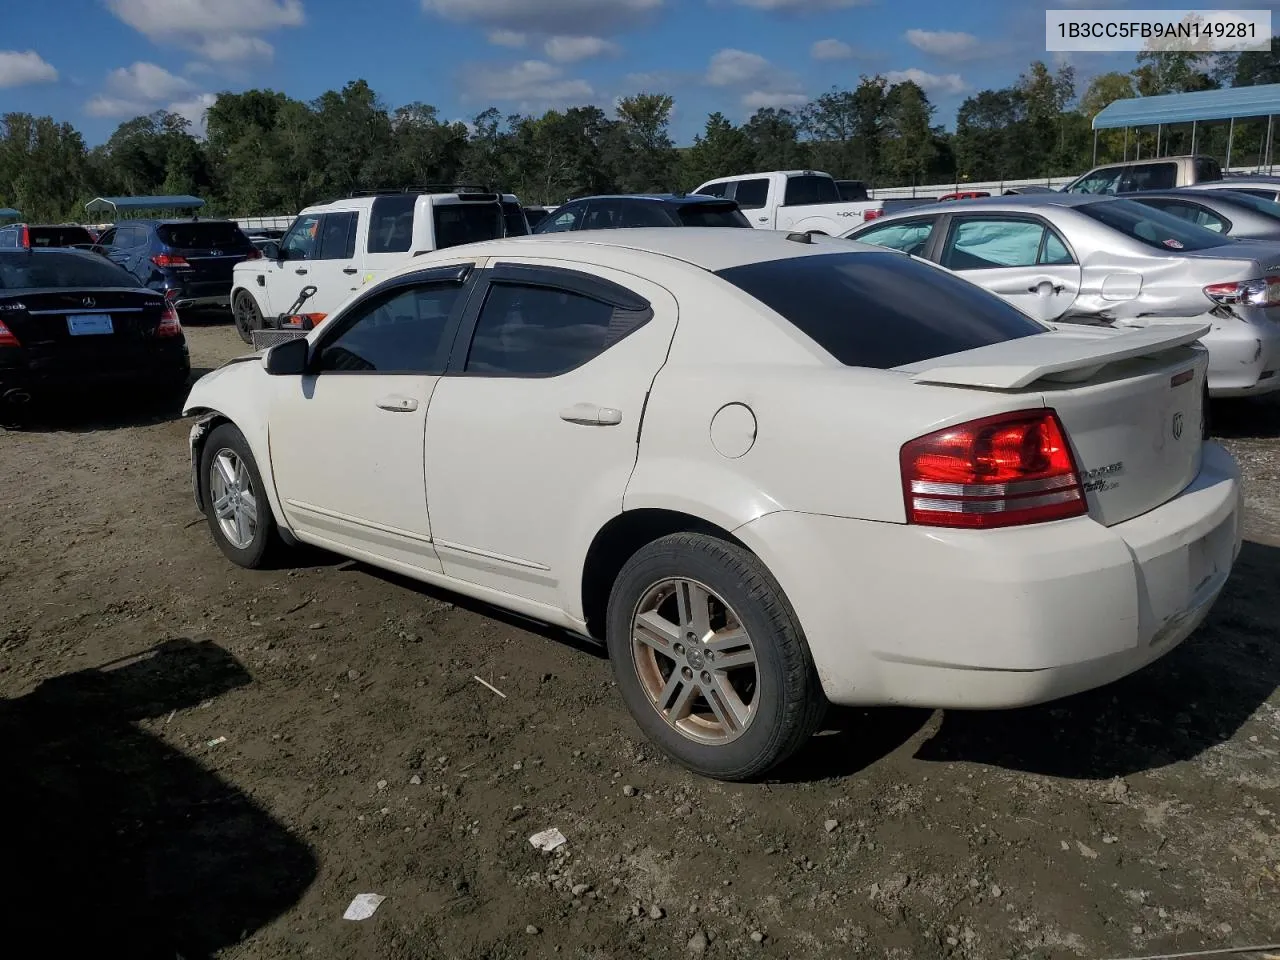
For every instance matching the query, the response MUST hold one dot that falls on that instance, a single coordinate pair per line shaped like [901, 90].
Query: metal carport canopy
[8, 213]
[1229, 104]
[114, 205]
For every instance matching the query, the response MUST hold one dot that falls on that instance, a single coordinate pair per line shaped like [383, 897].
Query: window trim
[934, 219]
[462, 275]
[506, 273]
[944, 238]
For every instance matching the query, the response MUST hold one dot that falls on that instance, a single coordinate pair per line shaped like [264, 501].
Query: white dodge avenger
[770, 472]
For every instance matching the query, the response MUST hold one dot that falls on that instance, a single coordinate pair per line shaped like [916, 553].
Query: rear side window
[751, 194]
[911, 236]
[514, 219]
[643, 213]
[1153, 228]
[1259, 193]
[337, 237]
[1207, 169]
[58, 236]
[807, 190]
[1190, 212]
[881, 310]
[1268, 207]
[530, 331]
[1149, 176]
[603, 215]
[713, 215]
[210, 234]
[391, 224]
[62, 271]
[467, 222]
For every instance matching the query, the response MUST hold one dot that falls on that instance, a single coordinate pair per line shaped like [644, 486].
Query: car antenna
[797, 237]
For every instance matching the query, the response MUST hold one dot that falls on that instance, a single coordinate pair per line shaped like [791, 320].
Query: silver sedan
[1080, 258]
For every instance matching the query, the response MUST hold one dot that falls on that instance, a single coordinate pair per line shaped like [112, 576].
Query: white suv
[342, 246]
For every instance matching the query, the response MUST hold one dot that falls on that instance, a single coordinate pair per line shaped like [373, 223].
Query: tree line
[265, 153]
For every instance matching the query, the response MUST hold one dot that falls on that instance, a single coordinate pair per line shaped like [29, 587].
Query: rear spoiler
[1065, 353]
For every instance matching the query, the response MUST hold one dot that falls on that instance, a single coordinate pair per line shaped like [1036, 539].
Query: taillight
[169, 326]
[872, 214]
[1250, 293]
[7, 339]
[253, 254]
[1000, 471]
[26, 239]
[304, 321]
[168, 260]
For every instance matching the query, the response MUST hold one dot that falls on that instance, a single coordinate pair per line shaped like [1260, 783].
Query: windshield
[211, 234]
[713, 215]
[467, 222]
[58, 236]
[1152, 227]
[881, 310]
[61, 270]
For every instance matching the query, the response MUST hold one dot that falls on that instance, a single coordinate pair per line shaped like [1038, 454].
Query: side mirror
[271, 250]
[288, 359]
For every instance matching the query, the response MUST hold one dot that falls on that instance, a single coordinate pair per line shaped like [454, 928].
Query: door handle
[300, 272]
[591, 415]
[398, 404]
[350, 270]
[762, 219]
[1056, 287]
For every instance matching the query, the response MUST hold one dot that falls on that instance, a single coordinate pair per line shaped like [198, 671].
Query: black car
[643, 210]
[19, 236]
[71, 320]
[189, 261]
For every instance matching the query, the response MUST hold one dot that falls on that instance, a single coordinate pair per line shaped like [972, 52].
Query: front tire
[710, 658]
[235, 502]
[247, 316]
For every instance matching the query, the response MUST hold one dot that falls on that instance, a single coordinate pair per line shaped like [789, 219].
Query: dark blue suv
[189, 261]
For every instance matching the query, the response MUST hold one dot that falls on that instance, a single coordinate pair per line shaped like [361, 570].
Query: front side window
[533, 331]
[989, 243]
[881, 310]
[400, 331]
[1099, 181]
[563, 220]
[911, 236]
[337, 237]
[300, 242]
[751, 194]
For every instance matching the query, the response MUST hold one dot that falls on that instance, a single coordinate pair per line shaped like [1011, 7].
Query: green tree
[774, 136]
[990, 128]
[910, 148]
[643, 130]
[721, 150]
[1104, 90]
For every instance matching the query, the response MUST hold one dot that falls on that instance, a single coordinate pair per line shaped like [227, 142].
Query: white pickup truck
[340, 247]
[803, 201]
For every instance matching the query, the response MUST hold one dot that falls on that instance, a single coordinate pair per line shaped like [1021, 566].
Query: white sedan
[770, 472]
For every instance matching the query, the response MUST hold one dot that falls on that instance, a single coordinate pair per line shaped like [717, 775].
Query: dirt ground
[300, 736]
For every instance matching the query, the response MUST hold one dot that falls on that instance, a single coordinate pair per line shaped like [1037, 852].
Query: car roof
[672, 198]
[1011, 204]
[709, 248]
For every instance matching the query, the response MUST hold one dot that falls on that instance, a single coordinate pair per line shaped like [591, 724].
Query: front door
[1020, 258]
[347, 438]
[292, 271]
[532, 436]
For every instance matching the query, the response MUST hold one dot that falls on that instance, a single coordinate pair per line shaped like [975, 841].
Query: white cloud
[146, 81]
[104, 106]
[757, 99]
[929, 82]
[226, 31]
[658, 80]
[143, 87]
[831, 50]
[950, 45]
[730, 68]
[572, 49]
[507, 38]
[801, 6]
[530, 84]
[546, 16]
[195, 110]
[18, 69]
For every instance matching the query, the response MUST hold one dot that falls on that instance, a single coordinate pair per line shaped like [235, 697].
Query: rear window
[514, 219]
[1152, 227]
[881, 310]
[804, 191]
[61, 271]
[468, 222]
[58, 236]
[713, 215]
[208, 234]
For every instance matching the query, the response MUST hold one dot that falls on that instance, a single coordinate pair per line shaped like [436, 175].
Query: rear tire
[710, 658]
[247, 316]
[235, 501]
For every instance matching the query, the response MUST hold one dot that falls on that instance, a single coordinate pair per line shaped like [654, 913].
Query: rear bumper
[202, 303]
[197, 294]
[1244, 358]
[896, 614]
[168, 366]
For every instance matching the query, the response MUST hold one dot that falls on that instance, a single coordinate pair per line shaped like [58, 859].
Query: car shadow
[1246, 418]
[1173, 710]
[91, 413]
[850, 741]
[119, 841]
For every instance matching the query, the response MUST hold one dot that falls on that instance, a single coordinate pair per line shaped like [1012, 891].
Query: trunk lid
[211, 248]
[103, 319]
[1131, 401]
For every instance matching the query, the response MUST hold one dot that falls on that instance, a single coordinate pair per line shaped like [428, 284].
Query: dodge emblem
[1177, 426]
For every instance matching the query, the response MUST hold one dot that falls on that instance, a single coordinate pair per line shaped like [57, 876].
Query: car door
[1021, 258]
[346, 438]
[291, 271]
[532, 435]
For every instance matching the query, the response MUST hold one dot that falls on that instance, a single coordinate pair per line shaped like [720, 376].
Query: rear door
[389, 241]
[1020, 257]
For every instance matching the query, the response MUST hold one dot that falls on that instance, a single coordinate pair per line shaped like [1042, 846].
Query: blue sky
[95, 63]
